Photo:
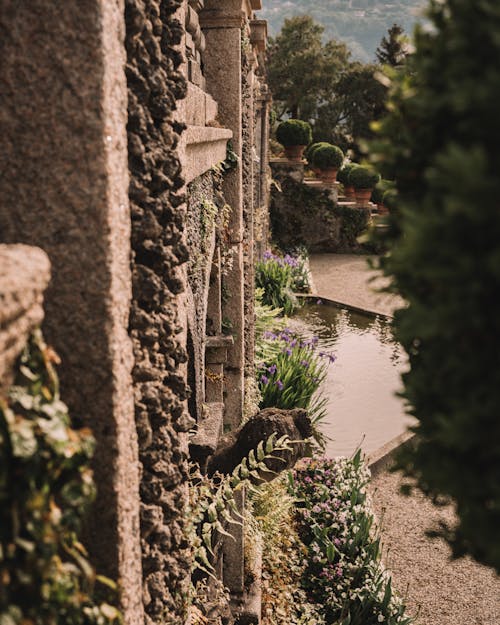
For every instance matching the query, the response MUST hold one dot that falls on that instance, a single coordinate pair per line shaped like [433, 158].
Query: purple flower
[272, 369]
[264, 379]
[304, 363]
[279, 384]
[319, 302]
[268, 254]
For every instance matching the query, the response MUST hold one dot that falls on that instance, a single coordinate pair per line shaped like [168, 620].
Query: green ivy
[46, 486]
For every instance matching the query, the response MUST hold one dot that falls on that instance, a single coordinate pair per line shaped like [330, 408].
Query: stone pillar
[63, 158]
[222, 21]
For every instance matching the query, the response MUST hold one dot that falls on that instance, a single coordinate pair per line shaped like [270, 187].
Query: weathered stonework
[63, 158]
[309, 214]
[158, 221]
[24, 276]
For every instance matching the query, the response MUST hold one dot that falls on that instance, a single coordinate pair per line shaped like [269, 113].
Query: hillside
[360, 23]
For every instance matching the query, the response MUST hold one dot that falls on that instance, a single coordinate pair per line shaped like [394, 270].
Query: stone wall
[307, 213]
[63, 158]
[24, 276]
[158, 214]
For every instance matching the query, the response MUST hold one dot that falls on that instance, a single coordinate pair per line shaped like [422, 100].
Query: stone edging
[381, 459]
[332, 302]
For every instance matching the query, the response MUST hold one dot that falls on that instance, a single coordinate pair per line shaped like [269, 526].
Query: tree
[442, 141]
[358, 99]
[394, 48]
[301, 70]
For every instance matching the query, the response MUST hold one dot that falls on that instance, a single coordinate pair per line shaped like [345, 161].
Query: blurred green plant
[441, 143]
[46, 487]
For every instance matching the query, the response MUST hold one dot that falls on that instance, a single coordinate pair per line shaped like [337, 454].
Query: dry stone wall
[158, 220]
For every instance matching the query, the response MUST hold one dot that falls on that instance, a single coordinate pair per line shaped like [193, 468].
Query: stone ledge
[382, 459]
[205, 147]
[206, 439]
[24, 276]
[201, 108]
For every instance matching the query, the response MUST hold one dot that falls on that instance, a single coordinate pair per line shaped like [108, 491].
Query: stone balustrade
[24, 276]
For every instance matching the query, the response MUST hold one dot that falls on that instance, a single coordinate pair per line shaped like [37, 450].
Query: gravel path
[440, 591]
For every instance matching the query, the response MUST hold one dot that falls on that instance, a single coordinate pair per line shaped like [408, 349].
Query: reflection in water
[362, 383]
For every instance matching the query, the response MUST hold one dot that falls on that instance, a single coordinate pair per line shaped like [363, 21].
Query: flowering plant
[290, 372]
[275, 274]
[344, 571]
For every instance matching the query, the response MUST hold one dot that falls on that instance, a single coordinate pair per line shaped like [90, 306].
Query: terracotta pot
[362, 197]
[349, 192]
[294, 152]
[328, 175]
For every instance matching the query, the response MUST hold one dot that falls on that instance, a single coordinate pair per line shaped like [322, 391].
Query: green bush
[294, 132]
[363, 177]
[309, 152]
[442, 142]
[328, 156]
[343, 173]
[380, 190]
[46, 487]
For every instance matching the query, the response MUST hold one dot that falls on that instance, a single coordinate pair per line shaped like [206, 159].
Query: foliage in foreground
[343, 572]
[284, 601]
[441, 141]
[45, 488]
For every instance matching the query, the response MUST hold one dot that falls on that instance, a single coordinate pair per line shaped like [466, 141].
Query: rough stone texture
[64, 186]
[24, 276]
[248, 151]
[303, 214]
[156, 325]
[222, 23]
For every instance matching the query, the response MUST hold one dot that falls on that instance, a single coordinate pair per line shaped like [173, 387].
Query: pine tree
[442, 141]
[392, 49]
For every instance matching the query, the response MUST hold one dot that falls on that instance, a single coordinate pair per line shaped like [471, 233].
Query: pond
[361, 385]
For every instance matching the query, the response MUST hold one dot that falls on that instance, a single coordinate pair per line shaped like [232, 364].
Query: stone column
[63, 158]
[222, 21]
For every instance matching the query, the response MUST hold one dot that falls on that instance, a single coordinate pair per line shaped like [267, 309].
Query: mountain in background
[361, 24]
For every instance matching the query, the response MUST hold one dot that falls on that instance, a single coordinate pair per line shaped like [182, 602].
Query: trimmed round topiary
[294, 132]
[328, 157]
[390, 199]
[380, 189]
[343, 173]
[363, 177]
[308, 154]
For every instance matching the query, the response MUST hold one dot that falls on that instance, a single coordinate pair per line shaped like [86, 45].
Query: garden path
[347, 279]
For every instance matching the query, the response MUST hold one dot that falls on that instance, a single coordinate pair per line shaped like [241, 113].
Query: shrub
[363, 177]
[309, 152]
[46, 487]
[442, 142]
[380, 190]
[343, 173]
[294, 132]
[344, 573]
[328, 156]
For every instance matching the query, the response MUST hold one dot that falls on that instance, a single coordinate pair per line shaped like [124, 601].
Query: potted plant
[378, 194]
[294, 135]
[343, 178]
[327, 159]
[308, 154]
[363, 179]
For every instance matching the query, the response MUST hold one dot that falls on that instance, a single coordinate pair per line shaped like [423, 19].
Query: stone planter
[294, 152]
[362, 197]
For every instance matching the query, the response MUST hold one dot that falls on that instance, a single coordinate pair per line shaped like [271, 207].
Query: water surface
[361, 385]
